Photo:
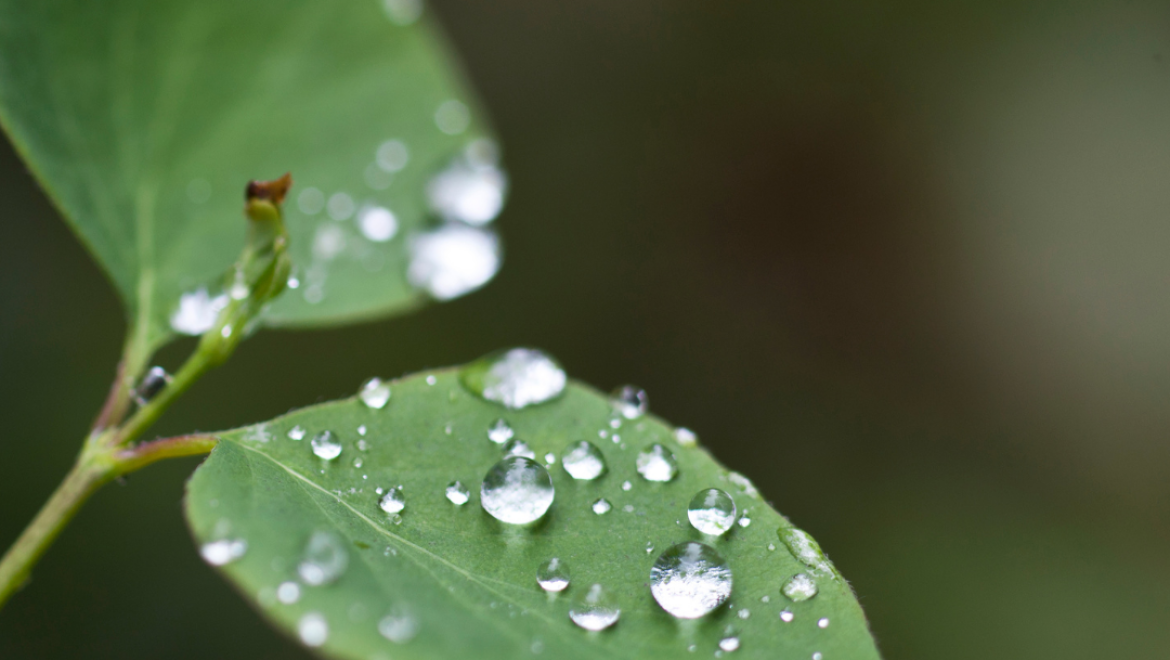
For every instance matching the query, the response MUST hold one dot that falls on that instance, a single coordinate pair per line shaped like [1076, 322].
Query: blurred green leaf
[144, 120]
[449, 581]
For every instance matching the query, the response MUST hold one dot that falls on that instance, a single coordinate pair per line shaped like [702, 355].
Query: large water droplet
[500, 432]
[453, 260]
[517, 490]
[398, 626]
[594, 611]
[516, 378]
[690, 579]
[712, 511]
[629, 401]
[393, 501]
[656, 463]
[313, 629]
[584, 461]
[800, 587]
[457, 493]
[324, 560]
[805, 548]
[223, 551]
[472, 188]
[197, 312]
[729, 644]
[601, 506]
[375, 393]
[517, 447]
[326, 445]
[152, 383]
[553, 575]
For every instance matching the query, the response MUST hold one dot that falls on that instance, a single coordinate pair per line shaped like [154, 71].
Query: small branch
[137, 457]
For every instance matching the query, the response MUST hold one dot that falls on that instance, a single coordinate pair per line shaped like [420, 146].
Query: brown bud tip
[273, 191]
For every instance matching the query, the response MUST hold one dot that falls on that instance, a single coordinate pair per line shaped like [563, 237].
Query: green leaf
[144, 120]
[457, 583]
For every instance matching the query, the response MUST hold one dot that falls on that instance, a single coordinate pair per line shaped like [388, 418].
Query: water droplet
[629, 401]
[517, 490]
[553, 575]
[771, 547]
[324, 560]
[152, 383]
[689, 580]
[649, 546]
[361, 431]
[550, 459]
[375, 393]
[818, 656]
[516, 378]
[340, 206]
[601, 506]
[745, 521]
[362, 445]
[457, 493]
[402, 12]
[453, 260]
[823, 622]
[626, 486]
[787, 616]
[288, 592]
[744, 614]
[296, 433]
[431, 380]
[313, 629]
[744, 484]
[358, 462]
[392, 155]
[686, 437]
[629, 508]
[800, 587]
[806, 549]
[593, 611]
[584, 461]
[311, 201]
[398, 626]
[377, 223]
[712, 511]
[517, 447]
[765, 599]
[452, 117]
[656, 463]
[471, 189]
[393, 501]
[615, 423]
[223, 551]
[326, 446]
[197, 312]
[500, 432]
[729, 644]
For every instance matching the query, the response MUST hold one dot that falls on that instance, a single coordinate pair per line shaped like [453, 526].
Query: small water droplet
[601, 506]
[553, 575]
[152, 383]
[629, 508]
[729, 644]
[787, 616]
[375, 393]
[393, 501]
[340, 206]
[550, 459]
[517, 490]
[288, 592]
[324, 559]
[392, 155]
[771, 547]
[361, 430]
[626, 485]
[313, 629]
[517, 447]
[712, 511]
[744, 484]
[649, 547]
[584, 461]
[311, 201]
[806, 549]
[197, 312]
[448, 429]
[594, 611]
[823, 622]
[744, 614]
[745, 521]
[765, 599]
[296, 433]
[685, 437]
[818, 656]
[516, 378]
[452, 117]
[499, 432]
[223, 551]
[457, 493]
[615, 423]
[629, 401]
[656, 463]
[326, 446]
[690, 580]
[800, 587]
[357, 462]
[398, 626]
[362, 445]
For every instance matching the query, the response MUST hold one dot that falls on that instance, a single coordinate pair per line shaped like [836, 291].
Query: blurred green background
[904, 264]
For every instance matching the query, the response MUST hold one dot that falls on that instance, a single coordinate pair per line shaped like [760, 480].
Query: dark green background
[904, 264]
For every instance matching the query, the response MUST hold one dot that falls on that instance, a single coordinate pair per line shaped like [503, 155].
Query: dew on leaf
[393, 501]
[340, 206]
[656, 463]
[823, 622]
[398, 627]
[799, 587]
[515, 378]
[517, 490]
[499, 432]
[296, 433]
[326, 446]
[457, 493]
[806, 549]
[517, 447]
[392, 155]
[311, 201]
[686, 437]
[594, 610]
[313, 629]
[690, 579]
[553, 575]
[787, 616]
[629, 401]
[452, 117]
[223, 551]
[743, 614]
[626, 485]
[584, 461]
[472, 188]
[375, 393]
[712, 511]
[601, 506]
[197, 312]
[745, 520]
[324, 559]
[729, 644]
[452, 260]
[818, 656]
